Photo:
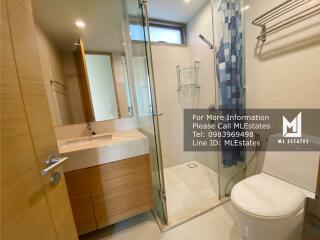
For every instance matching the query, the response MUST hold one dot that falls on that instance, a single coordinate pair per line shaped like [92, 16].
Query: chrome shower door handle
[52, 163]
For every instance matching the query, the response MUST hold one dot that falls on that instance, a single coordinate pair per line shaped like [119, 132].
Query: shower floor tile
[191, 191]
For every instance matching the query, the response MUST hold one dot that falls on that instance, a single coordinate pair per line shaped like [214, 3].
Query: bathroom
[98, 93]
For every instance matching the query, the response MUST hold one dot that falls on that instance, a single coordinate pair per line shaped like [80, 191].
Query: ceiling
[103, 18]
[174, 10]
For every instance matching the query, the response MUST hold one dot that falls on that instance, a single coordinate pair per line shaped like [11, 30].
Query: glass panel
[127, 85]
[184, 77]
[145, 97]
[143, 94]
[231, 164]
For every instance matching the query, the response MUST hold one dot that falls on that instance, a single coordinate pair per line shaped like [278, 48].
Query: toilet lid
[266, 196]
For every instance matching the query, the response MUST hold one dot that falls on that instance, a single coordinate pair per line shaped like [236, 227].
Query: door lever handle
[53, 163]
[158, 114]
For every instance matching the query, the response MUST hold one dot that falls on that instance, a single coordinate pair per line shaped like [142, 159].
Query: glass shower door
[230, 38]
[138, 47]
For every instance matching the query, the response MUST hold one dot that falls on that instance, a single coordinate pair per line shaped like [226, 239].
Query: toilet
[271, 205]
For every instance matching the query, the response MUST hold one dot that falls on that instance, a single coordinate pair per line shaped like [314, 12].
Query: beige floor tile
[169, 177]
[180, 198]
[226, 212]
[190, 191]
[141, 227]
[198, 178]
[207, 194]
[209, 226]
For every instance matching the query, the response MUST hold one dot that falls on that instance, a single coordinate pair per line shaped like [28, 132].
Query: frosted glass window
[168, 35]
[157, 34]
[101, 86]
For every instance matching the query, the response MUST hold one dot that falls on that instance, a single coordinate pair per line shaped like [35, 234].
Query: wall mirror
[83, 59]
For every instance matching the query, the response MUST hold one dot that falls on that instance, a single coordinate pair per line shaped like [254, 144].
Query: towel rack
[59, 83]
[279, 16]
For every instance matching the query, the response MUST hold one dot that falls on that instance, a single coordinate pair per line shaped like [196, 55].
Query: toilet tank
[296, 167]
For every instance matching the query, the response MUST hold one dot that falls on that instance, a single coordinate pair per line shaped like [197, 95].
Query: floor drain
[192, 165]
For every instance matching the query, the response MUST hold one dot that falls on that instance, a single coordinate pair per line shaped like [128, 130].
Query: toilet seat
[265, 196]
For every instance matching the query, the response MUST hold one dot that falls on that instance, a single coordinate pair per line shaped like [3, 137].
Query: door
[31, 207]
[147, 115]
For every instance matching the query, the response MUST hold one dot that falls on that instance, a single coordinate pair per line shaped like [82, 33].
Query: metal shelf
[188, 76]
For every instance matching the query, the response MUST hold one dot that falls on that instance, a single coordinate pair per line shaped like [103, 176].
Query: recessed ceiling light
[80, 24]
[187, 1]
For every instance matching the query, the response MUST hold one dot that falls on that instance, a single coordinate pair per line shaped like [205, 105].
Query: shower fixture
[203, 38]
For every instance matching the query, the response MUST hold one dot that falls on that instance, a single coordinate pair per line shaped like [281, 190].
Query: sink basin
[92, 140]
[111, 140]
[84, 152]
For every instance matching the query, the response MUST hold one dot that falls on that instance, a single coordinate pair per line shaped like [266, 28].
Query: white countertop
[102, 149]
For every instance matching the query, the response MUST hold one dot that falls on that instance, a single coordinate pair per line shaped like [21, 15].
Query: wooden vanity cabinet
[116, 191]
[81, 200]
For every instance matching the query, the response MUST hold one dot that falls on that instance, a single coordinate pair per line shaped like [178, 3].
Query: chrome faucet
[90, 129]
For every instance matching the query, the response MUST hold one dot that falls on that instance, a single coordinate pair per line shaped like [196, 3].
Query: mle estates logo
[292, 131]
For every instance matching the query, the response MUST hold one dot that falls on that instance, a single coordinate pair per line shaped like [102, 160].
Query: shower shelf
[188, 76]
[285, 15]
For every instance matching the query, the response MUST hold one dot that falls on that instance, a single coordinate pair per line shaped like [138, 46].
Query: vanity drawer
[80, 199]
[121, 189]
[109, 193]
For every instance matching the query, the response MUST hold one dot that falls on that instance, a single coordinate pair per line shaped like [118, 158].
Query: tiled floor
[188, 189]
[217, 224]
[191, 190]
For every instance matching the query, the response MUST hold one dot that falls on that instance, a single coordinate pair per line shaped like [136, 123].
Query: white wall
[201, 23]
[171, 102]
[165, 59]
[284, 72]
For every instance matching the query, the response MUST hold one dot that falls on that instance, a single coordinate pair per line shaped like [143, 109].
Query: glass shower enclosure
[145, 102]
